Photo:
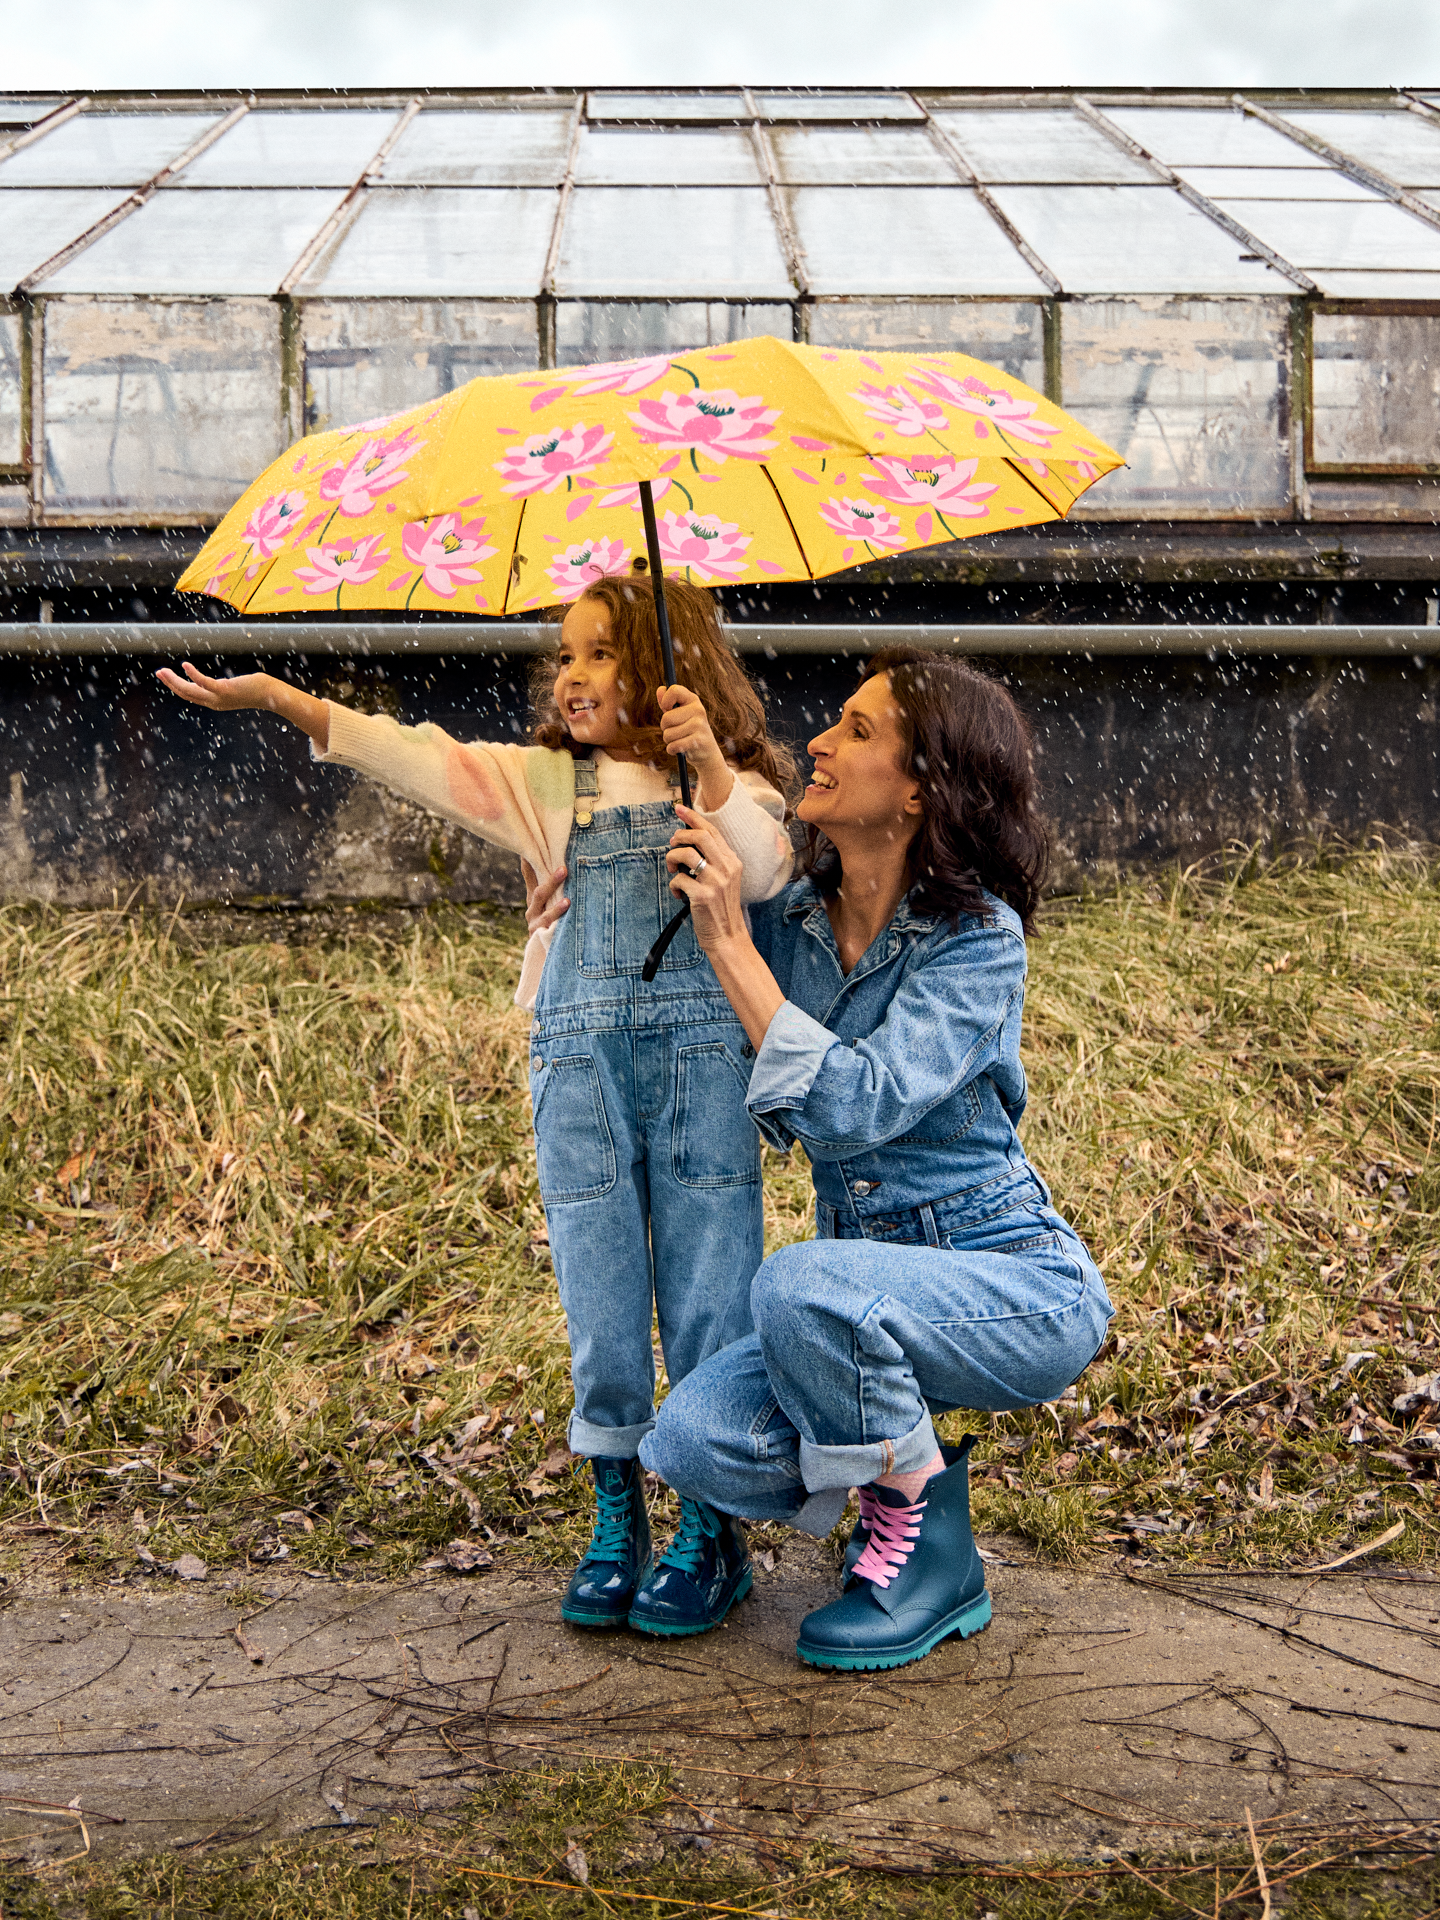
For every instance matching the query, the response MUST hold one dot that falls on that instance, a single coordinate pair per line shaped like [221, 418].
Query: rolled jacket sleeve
[942, 1028]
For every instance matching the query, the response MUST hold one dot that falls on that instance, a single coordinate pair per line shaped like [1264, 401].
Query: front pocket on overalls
[715, 1143]
[574, 1152]
[622, 901]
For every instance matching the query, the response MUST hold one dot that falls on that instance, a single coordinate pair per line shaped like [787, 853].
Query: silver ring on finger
[699, 867]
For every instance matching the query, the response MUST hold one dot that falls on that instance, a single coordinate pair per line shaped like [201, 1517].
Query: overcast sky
[360, 43]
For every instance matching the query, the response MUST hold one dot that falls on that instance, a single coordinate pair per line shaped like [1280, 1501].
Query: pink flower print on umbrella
[377, 466]
[1003, 409]
[902, 411]
[582, 565]
[447, 551]
[862, 520]
[271, 525]
[539, 464]
[719, 423]
[341, 563]
[946, 485]
[707, 545]
[630, 496]
[618, 376]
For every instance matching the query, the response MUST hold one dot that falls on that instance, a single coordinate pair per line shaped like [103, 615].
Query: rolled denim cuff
[846, 1467]
[788, 1060]
[821, 1513]
[605, 1443]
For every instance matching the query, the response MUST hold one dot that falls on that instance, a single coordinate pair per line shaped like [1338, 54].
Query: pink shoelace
[893, 1533]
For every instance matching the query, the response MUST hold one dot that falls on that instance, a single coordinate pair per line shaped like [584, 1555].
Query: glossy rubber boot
[917, 1581]
[696, 1582]
[618, 1558]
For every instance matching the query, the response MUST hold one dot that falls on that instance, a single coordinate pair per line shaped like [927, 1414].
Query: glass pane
[202, 241]
[1006, 333]
[1191, 392]
[159, 406]
[366, 358]
[1402, 144]
[1316, 234]
[1133, 240]
[1375, 389]
[859, 156]
[1043, 144]
[648, 157]
[906, 240]
[592, 330]
[666, 106]
[105, 150]
[419, 240]
[10, 443]
[696, 242]
[1381, 286]
[482, 148]
[797, 105]
[1210, 137]
[1274, 183]
[302, 149]
[16, 113]
[14, 503]
[36, 225]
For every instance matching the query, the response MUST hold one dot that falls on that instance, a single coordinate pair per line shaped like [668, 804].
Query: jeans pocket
[715, 1143]
[574, 1152]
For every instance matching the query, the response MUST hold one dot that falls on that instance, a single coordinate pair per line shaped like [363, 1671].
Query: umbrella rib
[780, 502]
[514, 574]
[1021, 474]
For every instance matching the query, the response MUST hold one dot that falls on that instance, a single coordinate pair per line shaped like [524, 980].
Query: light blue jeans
[987, 1299]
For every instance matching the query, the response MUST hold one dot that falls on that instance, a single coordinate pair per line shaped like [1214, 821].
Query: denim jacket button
[863, 1187]
[748, 1051]
[537, 1062]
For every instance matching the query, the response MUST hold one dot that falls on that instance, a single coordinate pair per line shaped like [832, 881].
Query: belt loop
[927, 1220]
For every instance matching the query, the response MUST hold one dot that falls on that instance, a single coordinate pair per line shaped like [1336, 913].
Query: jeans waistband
[927, 1224]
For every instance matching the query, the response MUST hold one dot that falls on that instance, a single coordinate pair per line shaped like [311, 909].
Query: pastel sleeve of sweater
[753, 822]
[518, 798]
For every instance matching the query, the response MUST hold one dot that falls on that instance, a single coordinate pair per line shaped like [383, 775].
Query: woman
[882, 994]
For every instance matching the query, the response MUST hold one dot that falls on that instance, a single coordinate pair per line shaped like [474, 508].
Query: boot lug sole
[672, 1632]
[964, 1622]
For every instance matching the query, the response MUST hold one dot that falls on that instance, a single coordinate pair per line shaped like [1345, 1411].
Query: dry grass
[275, 1282]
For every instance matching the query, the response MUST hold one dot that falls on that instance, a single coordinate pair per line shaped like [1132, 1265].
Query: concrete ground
[1102, 1710]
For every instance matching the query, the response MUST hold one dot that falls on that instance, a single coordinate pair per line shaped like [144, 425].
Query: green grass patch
[274, 1283]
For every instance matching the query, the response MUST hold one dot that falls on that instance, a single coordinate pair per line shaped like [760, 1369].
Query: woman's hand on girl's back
[544, 902]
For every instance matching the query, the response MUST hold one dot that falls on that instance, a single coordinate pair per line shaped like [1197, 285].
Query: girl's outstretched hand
[221, 696]
[253, 690]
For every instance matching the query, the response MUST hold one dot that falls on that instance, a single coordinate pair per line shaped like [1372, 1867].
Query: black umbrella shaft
[662, 616]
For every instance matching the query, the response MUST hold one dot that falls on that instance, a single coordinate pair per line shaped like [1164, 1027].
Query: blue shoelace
[698, 1523]
[611, 1538]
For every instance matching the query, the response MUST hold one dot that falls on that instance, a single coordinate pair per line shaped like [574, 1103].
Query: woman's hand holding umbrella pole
[705, 871]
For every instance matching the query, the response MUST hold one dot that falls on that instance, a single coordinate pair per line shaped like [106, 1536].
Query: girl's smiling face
[860, 780]
[587, 677]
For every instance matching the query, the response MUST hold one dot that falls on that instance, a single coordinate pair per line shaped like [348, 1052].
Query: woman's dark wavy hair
[968, 745]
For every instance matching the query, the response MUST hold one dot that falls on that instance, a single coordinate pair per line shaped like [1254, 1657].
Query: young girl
[649, 1163]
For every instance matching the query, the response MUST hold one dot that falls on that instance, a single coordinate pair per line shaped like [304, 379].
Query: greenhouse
[1241, 293]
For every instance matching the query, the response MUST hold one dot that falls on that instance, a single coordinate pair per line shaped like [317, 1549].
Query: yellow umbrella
[766, 461]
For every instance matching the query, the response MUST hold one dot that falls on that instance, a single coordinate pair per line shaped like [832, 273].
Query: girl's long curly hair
[703, 661]
[969, 746]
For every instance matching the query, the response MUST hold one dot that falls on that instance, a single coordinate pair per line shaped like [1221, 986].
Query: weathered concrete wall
[109, 785]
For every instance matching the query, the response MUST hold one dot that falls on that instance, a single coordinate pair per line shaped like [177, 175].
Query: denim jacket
[901, 1079]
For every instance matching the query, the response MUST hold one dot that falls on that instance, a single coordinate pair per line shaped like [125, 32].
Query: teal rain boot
[705, 1570]
[917, 1580]
[618, 1558]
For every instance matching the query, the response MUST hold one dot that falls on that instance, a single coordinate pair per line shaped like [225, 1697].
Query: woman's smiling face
[860, 782]
[587, 677]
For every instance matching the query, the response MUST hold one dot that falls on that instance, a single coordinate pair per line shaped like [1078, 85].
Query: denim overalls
[649, 1161]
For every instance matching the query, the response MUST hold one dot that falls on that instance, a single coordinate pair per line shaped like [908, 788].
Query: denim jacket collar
[804, 897]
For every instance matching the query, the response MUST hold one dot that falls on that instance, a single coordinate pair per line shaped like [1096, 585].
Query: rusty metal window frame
[17, 472]
[1382, 310]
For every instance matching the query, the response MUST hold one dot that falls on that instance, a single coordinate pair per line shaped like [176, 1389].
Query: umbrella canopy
[767, 460]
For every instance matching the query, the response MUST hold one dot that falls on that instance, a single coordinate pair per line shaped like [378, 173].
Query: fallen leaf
[576, 1865]
[189, 1567]
[462, 1556]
